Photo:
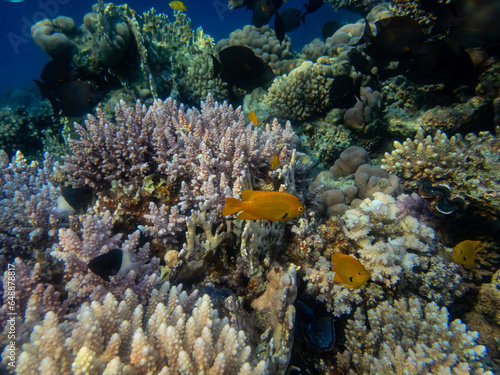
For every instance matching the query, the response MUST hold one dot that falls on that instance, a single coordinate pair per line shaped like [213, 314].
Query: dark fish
[78, 198]
[445, 62]
[469, 23]
[113, 263]
[313, 6]
[67, 95]
[398, 37]
[279, 27]
[240, 67]
[235, 4]
[343, 92]
[75, 98]
[330, 27]
[263, 11]
[291, 19]
[56, 73]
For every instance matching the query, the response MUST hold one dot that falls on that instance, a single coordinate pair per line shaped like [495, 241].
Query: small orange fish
[465, 252]
[349, 271]
[275, 162]
[253, 118]
[264, 205]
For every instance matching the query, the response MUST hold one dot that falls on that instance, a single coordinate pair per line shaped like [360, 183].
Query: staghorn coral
[207, 152]
[409, 336]
[468, 165]
[177, 334]
[27, 205]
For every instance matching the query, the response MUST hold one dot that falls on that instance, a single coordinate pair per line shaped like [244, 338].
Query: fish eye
[301, 208]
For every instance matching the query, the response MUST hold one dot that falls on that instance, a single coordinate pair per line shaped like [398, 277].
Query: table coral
[409, 336]
[468, 165]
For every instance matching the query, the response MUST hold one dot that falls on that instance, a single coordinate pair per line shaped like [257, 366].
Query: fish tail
[367, 36]
[303, 18]
[232, 206]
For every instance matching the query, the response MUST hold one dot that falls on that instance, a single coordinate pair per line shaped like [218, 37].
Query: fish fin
[338, 279]
[246, 195]
[303, 18]
[232, 206]
[44, 90]
[217, 66]
[247, 216]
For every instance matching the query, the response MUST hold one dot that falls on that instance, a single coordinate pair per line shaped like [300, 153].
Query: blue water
[22, 60]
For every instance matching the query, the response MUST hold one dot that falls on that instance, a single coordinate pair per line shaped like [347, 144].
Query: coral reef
[302, 93]
[409, 335]
[485, 318]
[263, 42]
[468, 165]
[351, 178]
[27, 205]
[176, 334]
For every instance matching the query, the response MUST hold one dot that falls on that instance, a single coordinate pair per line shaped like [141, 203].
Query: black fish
[113, 263]
[235, 4]
[330, 27]
[75, 98]
[56, 73]
[445, 62]
[78, 198]
[263, 11]
[343, 92]
[313, 6]
[469, 23]
[240, 67]
[279, 27]
[291, 18]
[67, 95]
[398, 37]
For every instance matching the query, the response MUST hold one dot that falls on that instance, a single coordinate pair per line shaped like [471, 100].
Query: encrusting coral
[176, 333]
[410, 337]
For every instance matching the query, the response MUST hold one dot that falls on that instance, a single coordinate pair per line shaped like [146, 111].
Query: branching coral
[409, 337]
[177, 334]
[27, 204]
[97, 239]
[211, 150]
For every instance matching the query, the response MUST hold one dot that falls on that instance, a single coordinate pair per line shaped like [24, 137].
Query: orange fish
[264, 205]
[465, 252]
[253, 118]
[275, 162]
[349, 270]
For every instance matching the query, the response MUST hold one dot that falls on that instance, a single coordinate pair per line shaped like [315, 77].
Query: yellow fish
[178, 5]
[253, 118]
[264, 205]
[349, 270]
[465, 252]
[275, 162]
